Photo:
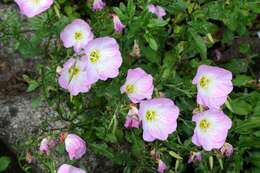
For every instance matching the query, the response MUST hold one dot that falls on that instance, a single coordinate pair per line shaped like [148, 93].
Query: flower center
[150, 115]
[94, 56]
[78, 36]
[129, 88]
[204, 124]
[204, 82]
[73, 71]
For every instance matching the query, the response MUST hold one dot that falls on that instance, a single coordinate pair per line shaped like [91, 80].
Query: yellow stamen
[204, 124]
[204, 82]
[78, 36]
[94, 56]
[150, 115]
[73, 71]
[129, 88]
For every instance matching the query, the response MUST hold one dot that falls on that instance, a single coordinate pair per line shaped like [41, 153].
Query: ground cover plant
[147, 85]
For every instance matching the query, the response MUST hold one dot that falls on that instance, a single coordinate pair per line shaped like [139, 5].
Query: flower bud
[75, 146]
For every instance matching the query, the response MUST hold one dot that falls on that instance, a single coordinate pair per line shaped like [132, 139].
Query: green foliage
[171, 50]
[4, 163]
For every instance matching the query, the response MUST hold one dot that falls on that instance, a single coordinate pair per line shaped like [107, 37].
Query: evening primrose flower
[159, 118]
[31, 8]
[76, 34]
[118, 25]
[157, 10]
[98, 5]
[75, 146]
[161, 166]
[211, 129]
[138, 85]
[103, 59]
[213, 84]
[226, 149]
[132, 120]
[65, 168]
[73, 77]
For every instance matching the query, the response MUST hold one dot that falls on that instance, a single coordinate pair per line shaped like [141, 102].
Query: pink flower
[75, 146]
[161, 166]
[138, 85]
[132, 120]
[226, 149]
[118, 25]
[157, 10]
[195, 156]
[103, 59]
[211, 129]
[73, 77]
[98, 5]
[213, 84]
[65, 168]
[44, 147]
[159, 118]
[31, 8]
[76, 34]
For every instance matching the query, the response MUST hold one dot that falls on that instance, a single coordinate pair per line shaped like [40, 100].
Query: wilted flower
[132, 120]
[31, 8]
[211, 129]
[76, 34]
[118, 25]
[28, 157]
[136, 52]
[159, 118]
[161, 166]
[63, 136]
[65, 168]
[213, 84]
[98, 5]
[73, 77]
[138, 85]
[75, 146]
[103, 59]
[226, 149]
[195, 156]
[44, 147]
[157, 10]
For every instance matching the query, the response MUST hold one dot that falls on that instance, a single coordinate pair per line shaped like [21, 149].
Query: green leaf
[175, 155]
[249, 124]
[151, 41]
[199, 43]
[32, 86]
[4, 163]
[102, 149]
[241, 80]
[157, 23]
[241, 107]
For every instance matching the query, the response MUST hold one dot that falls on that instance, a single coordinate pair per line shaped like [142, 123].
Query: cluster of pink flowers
[74, 145]
[98, 59]
[213, 84]
[158, 115]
